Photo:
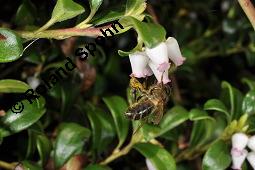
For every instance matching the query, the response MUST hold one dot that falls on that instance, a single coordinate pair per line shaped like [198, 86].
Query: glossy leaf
[70, 140]
[10, 46]
[201, 132]
[102, 128]
[64, 10]
[197, 114]
[217, 105]
[13, 86]
[94, 5]
[159, 157]
[43, 145]
[217, 157]
[232, 98]
[249, 102]
[174, 117]
[151, 34]
[134, 7]
[118, 106]
[13, 123]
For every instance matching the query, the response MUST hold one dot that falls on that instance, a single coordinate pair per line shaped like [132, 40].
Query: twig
[63, 33]
[249, 10]
[6, 165]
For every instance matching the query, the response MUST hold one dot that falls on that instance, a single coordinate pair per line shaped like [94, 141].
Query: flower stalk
[249, 10]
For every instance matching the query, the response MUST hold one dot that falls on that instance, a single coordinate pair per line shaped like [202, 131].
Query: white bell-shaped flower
[238, 158]
[139, 61]
[147, 71]
[251, 143]
[251, 159]
[239, 141]
[158, 74]
[158, 55]
[174, 52]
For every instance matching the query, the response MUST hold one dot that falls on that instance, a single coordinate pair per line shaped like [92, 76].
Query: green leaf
[94, 5]
[102, 130]
[13, 123]
[233, 99]
[217, 157]
[198, 114]
[96, 167]
[249, 102]
[70, 140]
[25, 14]
[250, 83]
[63, 10]
[13, 86]
[134, 7]
[151, 34]
[159, 157]
[174, 117]
[110, 16]
[201, 132]
[217, 105]
[43, 145]
[66, 9]
[10, 46]
[118, 106]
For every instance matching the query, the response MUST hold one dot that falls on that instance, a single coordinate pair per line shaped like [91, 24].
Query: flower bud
[251, 143]
[174, 52]
[238, 158]
[239, 141]
[251, 159]
[138, 61]
[158, 55]
[158, 74]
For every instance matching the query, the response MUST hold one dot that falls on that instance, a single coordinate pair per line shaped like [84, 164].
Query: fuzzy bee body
[148, 101]
[139, 110]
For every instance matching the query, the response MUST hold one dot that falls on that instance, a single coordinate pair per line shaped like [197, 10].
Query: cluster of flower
[156, 60]
[238, 151]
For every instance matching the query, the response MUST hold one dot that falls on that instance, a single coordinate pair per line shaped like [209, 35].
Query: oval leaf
[217, 157]
[70, 140]
[10, 46]
[217, 105]
[197, 114]
[249, 102]
[31, 113]
[13, 86]
[118, 106]
[159, 157]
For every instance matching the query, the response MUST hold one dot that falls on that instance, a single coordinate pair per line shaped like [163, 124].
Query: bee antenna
[162, 79]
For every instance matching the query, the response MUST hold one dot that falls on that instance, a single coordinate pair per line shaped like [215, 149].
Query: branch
[249, 10]
[63, 33]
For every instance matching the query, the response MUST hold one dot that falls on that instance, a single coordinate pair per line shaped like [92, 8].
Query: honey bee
[148, 102]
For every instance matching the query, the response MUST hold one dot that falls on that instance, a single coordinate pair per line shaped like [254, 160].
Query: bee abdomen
[139, 110]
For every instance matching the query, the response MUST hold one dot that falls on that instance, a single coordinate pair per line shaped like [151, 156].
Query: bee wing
[158, 114]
